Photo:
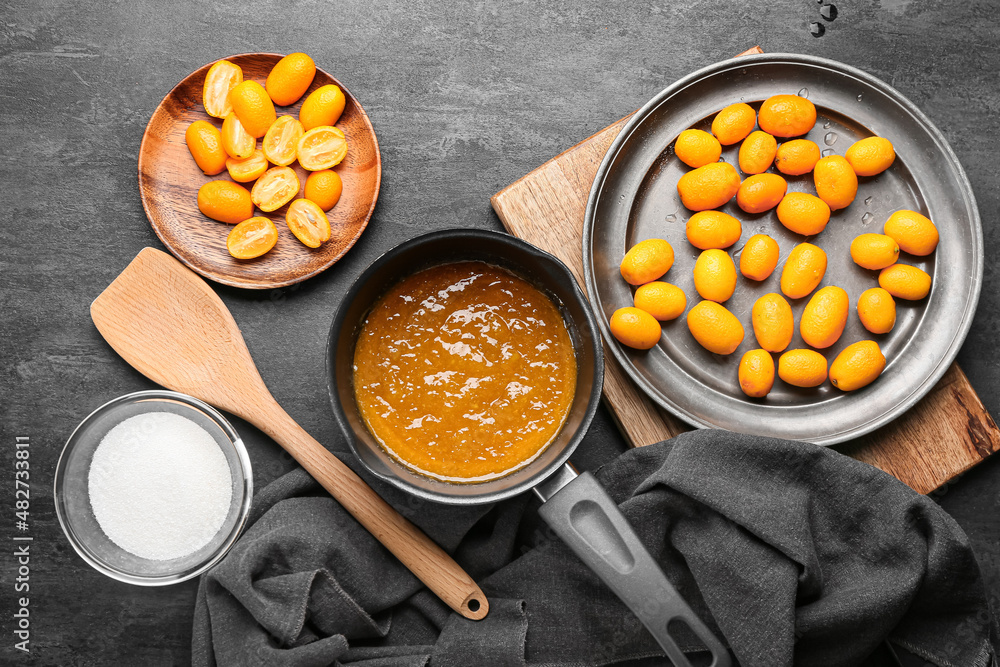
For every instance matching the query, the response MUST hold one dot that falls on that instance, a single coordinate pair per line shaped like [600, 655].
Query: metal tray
[634, 197]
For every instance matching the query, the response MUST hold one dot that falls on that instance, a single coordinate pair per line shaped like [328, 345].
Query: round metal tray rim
[637, 119]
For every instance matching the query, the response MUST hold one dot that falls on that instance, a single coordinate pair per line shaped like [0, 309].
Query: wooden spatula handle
[174, 329]
[409, 544]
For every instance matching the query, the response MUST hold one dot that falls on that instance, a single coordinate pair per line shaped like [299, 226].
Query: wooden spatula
[173, 328]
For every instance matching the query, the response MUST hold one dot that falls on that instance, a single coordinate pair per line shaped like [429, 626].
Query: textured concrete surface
[465, 97]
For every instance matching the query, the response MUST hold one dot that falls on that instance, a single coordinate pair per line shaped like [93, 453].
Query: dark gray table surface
[465, 98]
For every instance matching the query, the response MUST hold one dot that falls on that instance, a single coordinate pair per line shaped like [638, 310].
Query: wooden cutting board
[945, 434]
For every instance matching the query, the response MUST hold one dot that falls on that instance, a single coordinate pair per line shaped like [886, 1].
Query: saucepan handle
[587, 520]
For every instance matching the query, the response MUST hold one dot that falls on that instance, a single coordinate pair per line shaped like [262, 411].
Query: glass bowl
[76, 515]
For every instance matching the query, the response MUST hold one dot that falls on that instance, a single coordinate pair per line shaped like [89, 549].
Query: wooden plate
[169, 180]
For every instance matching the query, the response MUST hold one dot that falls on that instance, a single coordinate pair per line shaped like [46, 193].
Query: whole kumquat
[835, 181]
[646, 261]
[708, 187]
[253, 107]
[756, 373]
[757, 152]
[696, 148]
[796, 157]
[773, 322]
[323, 107]
[324, 188]
[786, 115]
[803, 270]
[874, 251]
[205, 144]
[877, 310]
[715, 275]
[713, 229]
[759, 257]
[905, 282]
[857, 366]
[715, 328]
[914, 232]
[802, 368]
[761, 192]
[225, 201]
[803, 213]
[870, 156]
[734, 123]
[290, 78]
[661, 300]
[824, 317]
[635, 328]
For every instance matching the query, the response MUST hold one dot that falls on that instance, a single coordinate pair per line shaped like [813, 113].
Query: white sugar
[160, 486]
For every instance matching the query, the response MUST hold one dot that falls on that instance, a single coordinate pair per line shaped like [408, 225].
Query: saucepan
[574, 505]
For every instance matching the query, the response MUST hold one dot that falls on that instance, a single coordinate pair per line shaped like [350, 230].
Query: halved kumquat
[247, 169]
[236, 141]
[321, 148]
[275, 188]
[281, 140]
[308, 223]
[221, 78]
[252, 238]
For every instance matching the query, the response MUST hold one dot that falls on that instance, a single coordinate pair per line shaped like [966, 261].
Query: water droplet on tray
[829, 12]
[804, 92]
[671, 217]
[868, 201]
[621, 197]
[827, 124]
[817, 29]
[830, 138]
[860, 96]
[827, 152]
[867, 218]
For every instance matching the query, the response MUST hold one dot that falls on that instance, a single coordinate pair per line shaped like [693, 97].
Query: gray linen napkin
[794, 553]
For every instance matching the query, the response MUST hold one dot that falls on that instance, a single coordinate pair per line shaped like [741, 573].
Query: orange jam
[464, 372]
